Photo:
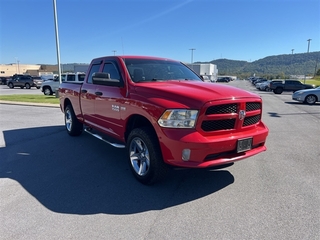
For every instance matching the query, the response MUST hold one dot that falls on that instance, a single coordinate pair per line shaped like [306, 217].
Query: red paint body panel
[111, 111]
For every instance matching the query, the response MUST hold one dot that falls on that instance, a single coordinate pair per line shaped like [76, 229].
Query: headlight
[178, 118]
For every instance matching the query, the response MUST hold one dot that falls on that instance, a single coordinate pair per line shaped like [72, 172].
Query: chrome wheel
[72, 124]
[311, 99]
[47, 91]
[139, 156]
[68, 120]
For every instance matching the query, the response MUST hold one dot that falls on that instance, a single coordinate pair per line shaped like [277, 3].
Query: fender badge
[242, 114]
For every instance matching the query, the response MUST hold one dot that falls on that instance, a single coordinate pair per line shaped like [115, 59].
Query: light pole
[192, 49]
[292, 51]
[309, 44]
[16, 65]
[114, 52]
[57, 38]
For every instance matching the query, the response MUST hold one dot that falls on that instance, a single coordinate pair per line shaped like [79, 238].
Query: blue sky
[233, 29]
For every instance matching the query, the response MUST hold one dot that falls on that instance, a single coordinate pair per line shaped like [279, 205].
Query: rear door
[88, 96]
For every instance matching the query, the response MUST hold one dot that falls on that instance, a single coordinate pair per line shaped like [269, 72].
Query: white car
[310, 96]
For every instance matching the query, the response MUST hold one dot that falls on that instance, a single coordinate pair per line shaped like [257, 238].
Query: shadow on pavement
[82, 175]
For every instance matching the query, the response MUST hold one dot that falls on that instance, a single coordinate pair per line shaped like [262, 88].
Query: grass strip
[30, 98]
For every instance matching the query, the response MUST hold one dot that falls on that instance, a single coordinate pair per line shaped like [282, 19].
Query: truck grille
[221, 109]
[227, 117]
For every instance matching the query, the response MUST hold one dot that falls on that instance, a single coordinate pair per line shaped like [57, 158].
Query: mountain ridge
[280, 65]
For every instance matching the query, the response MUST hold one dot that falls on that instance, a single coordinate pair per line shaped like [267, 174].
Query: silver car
[309, 96]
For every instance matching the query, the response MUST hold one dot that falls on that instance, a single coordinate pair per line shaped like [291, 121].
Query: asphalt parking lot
[53, 186]
[5, 90]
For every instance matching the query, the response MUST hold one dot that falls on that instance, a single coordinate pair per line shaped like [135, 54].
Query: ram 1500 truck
[164, 114]
[288, 86]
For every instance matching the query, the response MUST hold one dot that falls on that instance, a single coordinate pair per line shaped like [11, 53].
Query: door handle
[83, 91]
[98, 93]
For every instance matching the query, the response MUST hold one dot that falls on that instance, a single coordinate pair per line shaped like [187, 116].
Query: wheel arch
[137, 121]
[66, 102]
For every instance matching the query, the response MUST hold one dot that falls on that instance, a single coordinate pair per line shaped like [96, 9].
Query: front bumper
[209, 151]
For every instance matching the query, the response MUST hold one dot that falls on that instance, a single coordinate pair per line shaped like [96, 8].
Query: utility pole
[292, 51]
[309, 44]
[192, 49]
[114, 52]
[57, 38]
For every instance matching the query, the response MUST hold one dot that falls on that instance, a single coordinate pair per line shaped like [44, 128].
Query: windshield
[147, 70]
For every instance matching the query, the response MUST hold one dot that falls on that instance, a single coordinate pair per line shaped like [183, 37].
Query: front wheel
[72, 124]
[145, 156]
[27, 86]
[11, 85]
[311, 99]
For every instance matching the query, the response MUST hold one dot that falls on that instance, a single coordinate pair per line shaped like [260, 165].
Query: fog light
[186, 154]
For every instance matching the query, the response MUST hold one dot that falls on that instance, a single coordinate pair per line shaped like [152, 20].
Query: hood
[190, 94]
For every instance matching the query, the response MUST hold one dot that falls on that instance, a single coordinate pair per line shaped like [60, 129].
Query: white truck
[49, 87]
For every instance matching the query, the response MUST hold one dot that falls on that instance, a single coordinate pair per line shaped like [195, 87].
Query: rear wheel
[47, 91]
[145, 156]
[310, 99]
[73, 126]
[278, 90]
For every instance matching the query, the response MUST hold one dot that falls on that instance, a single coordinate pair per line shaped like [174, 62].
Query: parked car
[261, 83]
[309, 96]
[22, 81]
[3, 80]
[37, 81]
[288, 85]
[224, 79]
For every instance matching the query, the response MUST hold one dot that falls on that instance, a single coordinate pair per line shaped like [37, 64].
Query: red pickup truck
[164, 114]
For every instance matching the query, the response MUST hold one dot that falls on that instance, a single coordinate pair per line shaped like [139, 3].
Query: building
[7, 70]
[205, 69]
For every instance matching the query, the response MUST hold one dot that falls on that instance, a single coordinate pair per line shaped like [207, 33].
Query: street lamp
[192, 49]
[57, 38]
[292, 51]
[16, 64]
[309, 44]
[114, 52]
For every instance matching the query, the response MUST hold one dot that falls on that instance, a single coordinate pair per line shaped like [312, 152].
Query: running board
[117, 145]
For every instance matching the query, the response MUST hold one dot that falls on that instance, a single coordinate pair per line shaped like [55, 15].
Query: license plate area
[244, 145]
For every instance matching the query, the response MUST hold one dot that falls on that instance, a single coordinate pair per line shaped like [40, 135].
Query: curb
[30, 104]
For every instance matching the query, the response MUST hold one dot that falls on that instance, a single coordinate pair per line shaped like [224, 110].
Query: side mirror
[101, 78]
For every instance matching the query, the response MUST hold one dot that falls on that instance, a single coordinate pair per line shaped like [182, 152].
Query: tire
[38, 87]
[27, 86]
[310, 99]
[145, 158]
[72, 124]
[278, 90]
[10, 85]
[47, 91]
[22, 87]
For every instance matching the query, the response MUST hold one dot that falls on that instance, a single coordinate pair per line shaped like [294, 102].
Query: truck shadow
[83, 175]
